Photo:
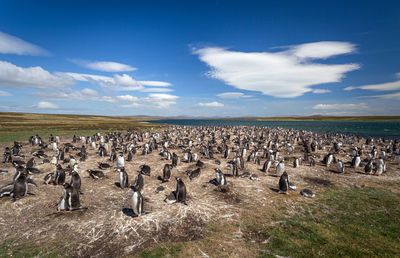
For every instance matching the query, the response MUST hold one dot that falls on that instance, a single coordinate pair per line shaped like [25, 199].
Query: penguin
[266, 166]
[59, 175]
[145, 170]
[130, 156]
[355, 162]
[180, 191]
[96, 174]
[72, 197]
[280, 169]
[20, 188]
[121, 160]
[175, 160]
[138, 184]
[296, 162]
[284, 183]
[193, 173]
[49, 178]
[220, 177]
[137, 202]
[31, 163]
[104, 165]
[233, 166]
[166, 173]
[75, 181]
[340, 166]
[369, 167]
[378, 169]
[307, 193]
[123, 177]
[199, 164]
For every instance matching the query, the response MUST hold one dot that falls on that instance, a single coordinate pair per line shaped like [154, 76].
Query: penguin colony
[272, 150]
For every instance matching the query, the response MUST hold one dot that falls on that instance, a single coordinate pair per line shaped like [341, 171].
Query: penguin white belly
[121, 178]
[135, 201]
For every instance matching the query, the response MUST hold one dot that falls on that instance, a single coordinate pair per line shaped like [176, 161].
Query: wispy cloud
[118, 82]
[104, 66]
[210, 104]
[69, 94]
[321, 91]
[47, 105]
[358, 106]
[13, 45]
[4, 94]
[377, 87]
[12, 76]
[285, 74]
[233, 95]
[395, 96]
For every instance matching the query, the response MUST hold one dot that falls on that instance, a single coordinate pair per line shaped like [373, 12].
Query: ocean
[389, 130]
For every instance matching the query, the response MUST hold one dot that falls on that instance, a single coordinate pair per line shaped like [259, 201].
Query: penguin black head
[178, 179]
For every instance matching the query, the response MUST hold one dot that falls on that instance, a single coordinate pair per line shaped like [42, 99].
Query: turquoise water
[376, 129]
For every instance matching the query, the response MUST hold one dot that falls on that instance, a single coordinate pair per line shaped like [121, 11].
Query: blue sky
[200, 58]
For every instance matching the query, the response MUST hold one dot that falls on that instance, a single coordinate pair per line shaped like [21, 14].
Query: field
[20, 126]
[352, 214]
[333, 118]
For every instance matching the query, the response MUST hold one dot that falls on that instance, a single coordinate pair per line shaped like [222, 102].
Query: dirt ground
[107, 228]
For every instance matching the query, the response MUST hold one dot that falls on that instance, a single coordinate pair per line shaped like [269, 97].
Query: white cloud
[395, 96]
[341, 106]
[321, 91]
[233, 95]
[47, 105]
[13, 45]
[155, 83]
[127, 98]
[156, 90]
[210, 104]
[377, 87]
[284, 74]
[106, 66]
[122, 82]
[322, 50]
[4, 94]
[68, 94]
[154, 100]
[12, 76]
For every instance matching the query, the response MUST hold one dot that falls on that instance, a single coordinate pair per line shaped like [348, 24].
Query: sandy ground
[107, 227]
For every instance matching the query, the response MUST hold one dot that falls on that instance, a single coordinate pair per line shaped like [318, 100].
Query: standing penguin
[75, 181]
[123, 177]
[234, 168]
[284, 183]
[369, 167]
[166, 173]
[220, 177]
[137, 202]
[71, 199]
[280, 169]
[175, 160]
[355, 162]
[266, 166]
[340, 166]
[139, 182]
[180, 191]
[59, 175]
[121, 160]
[295, 162]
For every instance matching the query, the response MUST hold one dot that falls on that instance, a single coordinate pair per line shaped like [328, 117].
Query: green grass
[352, 223]
[161, 251]
[9, 248]
[20, 126]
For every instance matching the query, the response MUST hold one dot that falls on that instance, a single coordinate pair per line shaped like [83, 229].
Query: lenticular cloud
[286, 74]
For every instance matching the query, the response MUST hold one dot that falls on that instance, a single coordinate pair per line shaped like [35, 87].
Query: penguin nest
[107, 227]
